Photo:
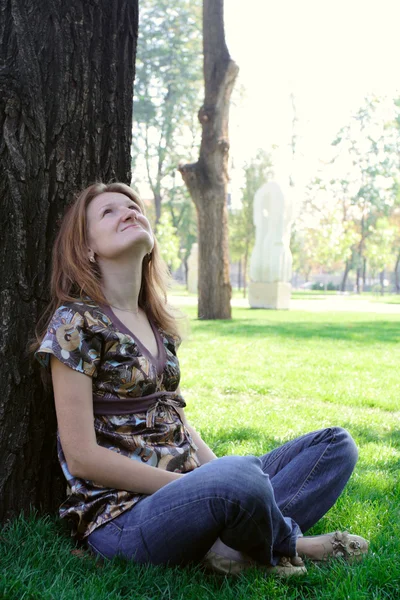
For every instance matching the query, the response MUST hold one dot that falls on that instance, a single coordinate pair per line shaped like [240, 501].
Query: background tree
[241, 224]
[365, 139]
[394, 221]
[379, 250]
[325, 231]
[184, 220]
[207, 179]
[168, 85]
[66, 76]
[169, 241]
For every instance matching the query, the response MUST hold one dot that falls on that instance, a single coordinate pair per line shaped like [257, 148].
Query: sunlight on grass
[251, 384]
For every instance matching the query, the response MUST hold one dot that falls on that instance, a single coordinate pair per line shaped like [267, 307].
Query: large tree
[207, 179]
[66, 78]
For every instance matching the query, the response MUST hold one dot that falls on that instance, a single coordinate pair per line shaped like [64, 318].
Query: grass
[251, 384]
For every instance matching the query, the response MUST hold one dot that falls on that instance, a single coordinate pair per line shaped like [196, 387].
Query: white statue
[271, 260]
[193, 268]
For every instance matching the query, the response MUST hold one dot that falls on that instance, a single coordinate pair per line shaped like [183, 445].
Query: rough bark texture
[207, 179]
[66, 78]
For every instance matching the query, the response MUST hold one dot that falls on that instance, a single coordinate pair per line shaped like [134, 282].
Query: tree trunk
[207, 179]
[345, 275]
[358, 281]
[239, 274]
[186, 267]
[246, 258]
[364, 272]
[382, 281]
[157, 207]
[66, 81]
[396, 274]
[360, 258]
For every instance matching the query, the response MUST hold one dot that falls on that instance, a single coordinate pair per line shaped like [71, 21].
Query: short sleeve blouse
[90, 339]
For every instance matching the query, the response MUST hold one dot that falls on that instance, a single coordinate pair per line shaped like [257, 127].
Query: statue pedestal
[269, 295]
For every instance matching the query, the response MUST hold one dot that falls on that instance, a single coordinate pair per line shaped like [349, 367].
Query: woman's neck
[121, 285]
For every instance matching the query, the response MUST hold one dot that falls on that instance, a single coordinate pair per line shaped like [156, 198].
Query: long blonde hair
[74, 277]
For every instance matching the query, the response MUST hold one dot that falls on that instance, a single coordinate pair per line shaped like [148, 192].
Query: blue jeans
[259, 506]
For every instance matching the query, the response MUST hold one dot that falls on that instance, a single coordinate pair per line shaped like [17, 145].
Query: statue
[271, 260]
[193, 268]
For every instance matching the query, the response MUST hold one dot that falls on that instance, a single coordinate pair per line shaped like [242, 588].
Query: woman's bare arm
[85, 458]
[205, 454]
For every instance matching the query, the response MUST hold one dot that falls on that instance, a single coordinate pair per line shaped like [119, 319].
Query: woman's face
[117, 228]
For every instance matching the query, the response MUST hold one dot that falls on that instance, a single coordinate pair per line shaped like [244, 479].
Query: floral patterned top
[134, 404]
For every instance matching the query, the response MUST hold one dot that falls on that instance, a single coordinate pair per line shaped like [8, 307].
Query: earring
[92, 259]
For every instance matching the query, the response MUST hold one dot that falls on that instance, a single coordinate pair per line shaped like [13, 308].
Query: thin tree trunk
[382, 281]
[66, 81]
[186, 268]
[358, 280]
[345, 275]
[246, 258]
[207, 179]
[396, 274]
[364, 272]
[157, 207]
[240, 274]
[360, 258]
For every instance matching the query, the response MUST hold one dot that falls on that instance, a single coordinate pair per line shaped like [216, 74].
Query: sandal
[225, 565]
[340, 544]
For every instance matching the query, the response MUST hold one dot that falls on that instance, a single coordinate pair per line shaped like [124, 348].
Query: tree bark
[66, 77]
[345, 275]
[207, 179]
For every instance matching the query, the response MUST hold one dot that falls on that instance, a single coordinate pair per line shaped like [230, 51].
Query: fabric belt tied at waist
[128, 406]
[144, 404]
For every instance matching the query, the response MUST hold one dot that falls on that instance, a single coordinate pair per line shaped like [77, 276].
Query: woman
[130, 457]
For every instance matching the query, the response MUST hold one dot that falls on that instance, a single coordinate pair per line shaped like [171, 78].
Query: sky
[329, 54]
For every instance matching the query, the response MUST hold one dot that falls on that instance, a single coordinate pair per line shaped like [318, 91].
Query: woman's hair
[73, 276]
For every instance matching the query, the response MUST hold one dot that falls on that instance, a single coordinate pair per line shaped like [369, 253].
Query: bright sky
[329, 53]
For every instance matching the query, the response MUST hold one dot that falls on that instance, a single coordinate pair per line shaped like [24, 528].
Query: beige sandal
[226, 561]
[341, 544]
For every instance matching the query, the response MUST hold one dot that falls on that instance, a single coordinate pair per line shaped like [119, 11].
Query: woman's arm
[85, 458]
[205, 454]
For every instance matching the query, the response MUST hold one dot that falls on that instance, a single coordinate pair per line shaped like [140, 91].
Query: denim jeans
[258, 506]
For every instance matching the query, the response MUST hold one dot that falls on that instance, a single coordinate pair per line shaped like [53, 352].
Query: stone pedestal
[269, 295]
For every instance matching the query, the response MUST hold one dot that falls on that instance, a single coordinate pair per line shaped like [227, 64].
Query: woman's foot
[226, 561]
[286, 567]
[331, 545]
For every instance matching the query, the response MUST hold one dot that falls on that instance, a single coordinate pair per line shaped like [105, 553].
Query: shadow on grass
[367, 332]
[368, 435]
[222, 438]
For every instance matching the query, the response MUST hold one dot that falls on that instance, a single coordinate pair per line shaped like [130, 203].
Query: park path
[317, 304]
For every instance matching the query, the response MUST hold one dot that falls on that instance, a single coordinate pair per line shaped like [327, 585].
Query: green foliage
[379, 250]
[167, 89]
[300, 371]
[184, 218]
[168, 241]
[351, 196]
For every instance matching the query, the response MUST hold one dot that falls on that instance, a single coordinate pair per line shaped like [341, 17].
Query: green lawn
[251, 384]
